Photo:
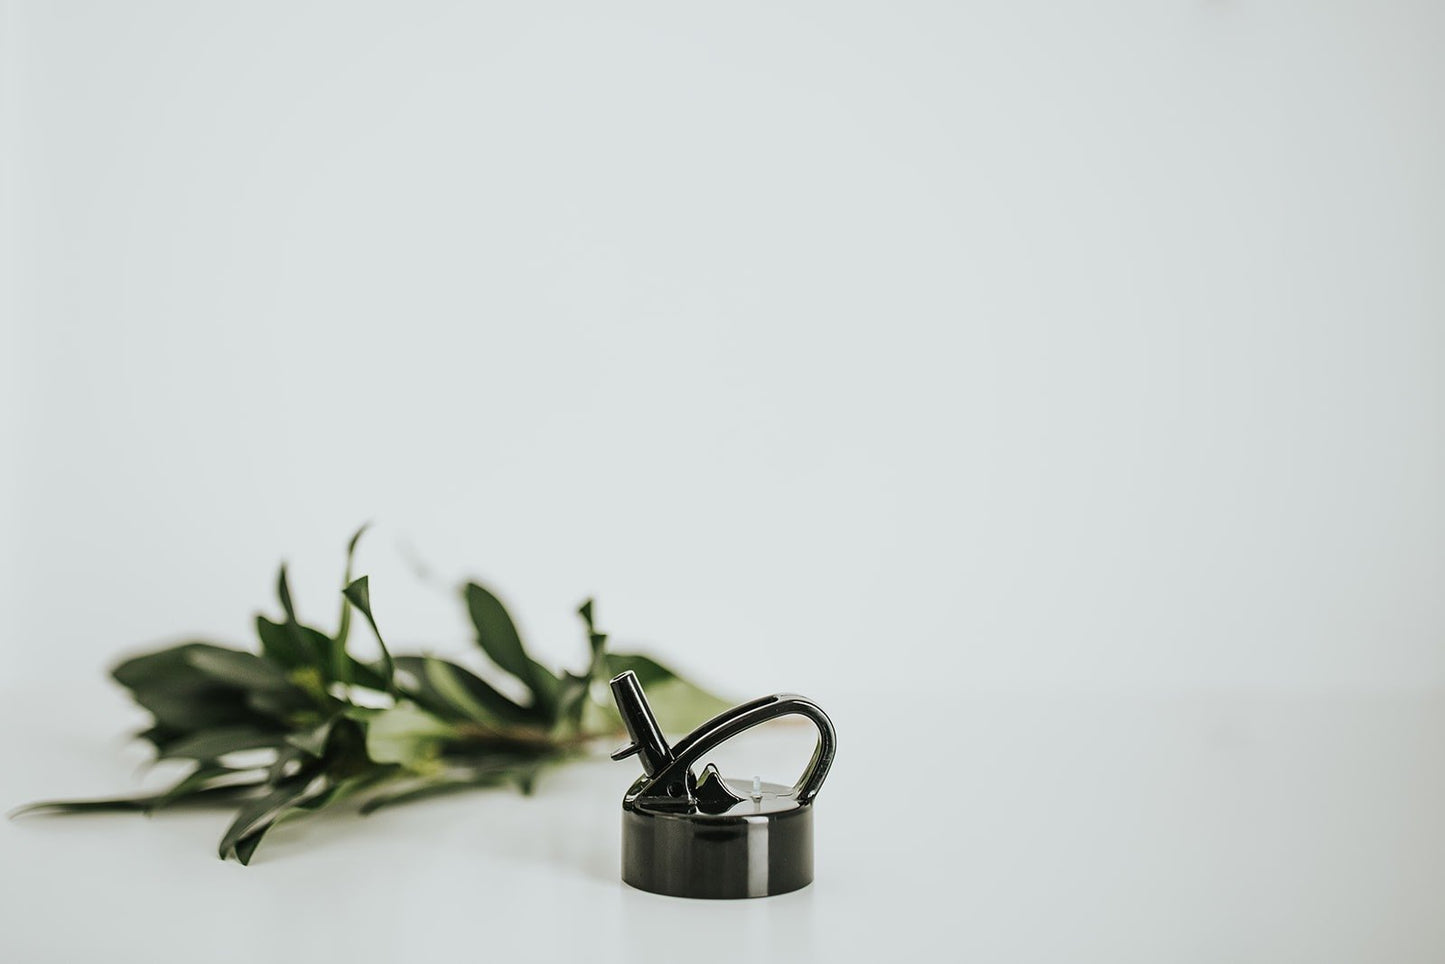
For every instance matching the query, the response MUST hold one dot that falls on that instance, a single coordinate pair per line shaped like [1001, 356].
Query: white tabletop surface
[983, 827]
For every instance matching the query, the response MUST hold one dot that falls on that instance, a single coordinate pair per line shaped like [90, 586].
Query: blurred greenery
[302, 724]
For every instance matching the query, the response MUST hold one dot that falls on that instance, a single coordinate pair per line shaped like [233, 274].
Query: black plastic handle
[669, 768]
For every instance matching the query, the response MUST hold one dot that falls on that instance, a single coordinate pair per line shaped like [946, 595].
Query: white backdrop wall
[1055, 346]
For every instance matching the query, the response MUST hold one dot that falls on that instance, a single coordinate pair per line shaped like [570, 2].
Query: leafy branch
[303, 724]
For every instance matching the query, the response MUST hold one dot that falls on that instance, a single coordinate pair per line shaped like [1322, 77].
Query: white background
[1080, 345]
[1077, 350]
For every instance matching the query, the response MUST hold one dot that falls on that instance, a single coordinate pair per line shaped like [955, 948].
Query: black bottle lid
[686, 835]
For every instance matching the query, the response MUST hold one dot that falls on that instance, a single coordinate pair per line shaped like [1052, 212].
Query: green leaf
[170, 668]
[314, 644]
[246, 846]
[145, 803]
[197, 666]
[131, 804]
[598, 641]
[297, 647]
[205, 775]
[215, 743]
[496, 632]
[437, 785]
[344, 623]
[497, 635]
[290, 760]
[345, 754]
[359, 594]
[283, 594]
[339, 658]
[315, 798]
[339, 742]
[315, 784]
[183, 696]
[256, 816]
[189, 711]
[312, 741]
[280, 706]
[293, 646]
[289, 645]
[242, 670]
[404, 734]
[575, 691]
[366, 676]
[524, 775]
[455, 693]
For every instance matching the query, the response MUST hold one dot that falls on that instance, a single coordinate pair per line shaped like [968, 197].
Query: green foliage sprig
[303, 724]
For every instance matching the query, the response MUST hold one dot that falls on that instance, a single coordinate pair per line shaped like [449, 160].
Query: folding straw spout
[647, 739]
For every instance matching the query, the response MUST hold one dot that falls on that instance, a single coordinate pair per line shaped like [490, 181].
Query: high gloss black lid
[708, 836]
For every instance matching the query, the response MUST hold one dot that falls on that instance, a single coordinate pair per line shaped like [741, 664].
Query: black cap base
[759, 847]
